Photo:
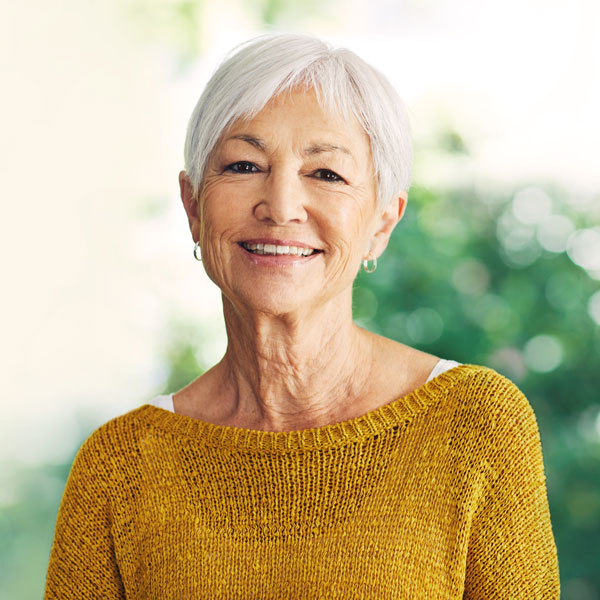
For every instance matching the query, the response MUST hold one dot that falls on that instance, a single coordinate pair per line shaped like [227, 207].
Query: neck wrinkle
[293, 369]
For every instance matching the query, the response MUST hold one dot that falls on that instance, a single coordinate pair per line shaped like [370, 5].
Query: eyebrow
[253, 141]
[319, 148]
[314, 148]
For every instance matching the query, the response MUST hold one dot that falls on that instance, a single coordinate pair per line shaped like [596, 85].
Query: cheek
[347, 222]
[221, 206]
[347, 239]
[218, 235]
[218, 226]
[225, 202]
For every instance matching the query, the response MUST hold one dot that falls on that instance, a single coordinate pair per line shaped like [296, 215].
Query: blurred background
[497, 261]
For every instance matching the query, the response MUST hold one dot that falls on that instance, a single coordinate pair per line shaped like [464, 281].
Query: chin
[275, 302]
[296, 301]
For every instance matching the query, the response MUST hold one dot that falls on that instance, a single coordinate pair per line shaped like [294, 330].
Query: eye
[327, 175]
[242, 166]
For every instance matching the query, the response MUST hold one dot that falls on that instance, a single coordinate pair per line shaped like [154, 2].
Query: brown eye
[242, 166]
[327, 175]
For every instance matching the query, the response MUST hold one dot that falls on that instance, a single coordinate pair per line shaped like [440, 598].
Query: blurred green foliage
[27, 529]
[455, 283]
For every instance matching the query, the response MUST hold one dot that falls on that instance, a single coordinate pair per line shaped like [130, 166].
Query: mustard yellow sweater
[438, 495]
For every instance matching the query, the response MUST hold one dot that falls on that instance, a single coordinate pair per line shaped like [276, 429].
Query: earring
[369, 268]
[197, 251]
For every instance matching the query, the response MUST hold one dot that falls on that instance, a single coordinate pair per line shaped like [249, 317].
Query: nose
[283, 199]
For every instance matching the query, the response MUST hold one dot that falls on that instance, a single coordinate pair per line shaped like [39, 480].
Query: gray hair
[271, 64]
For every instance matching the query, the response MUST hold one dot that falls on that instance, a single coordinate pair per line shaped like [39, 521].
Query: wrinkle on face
[288, 141]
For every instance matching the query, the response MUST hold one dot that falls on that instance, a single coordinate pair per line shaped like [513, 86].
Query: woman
[316, 459]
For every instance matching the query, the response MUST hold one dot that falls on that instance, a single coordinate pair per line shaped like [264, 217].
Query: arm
[82, 560]
[512, 553]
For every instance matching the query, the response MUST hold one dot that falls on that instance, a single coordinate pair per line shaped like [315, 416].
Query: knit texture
[438, 495]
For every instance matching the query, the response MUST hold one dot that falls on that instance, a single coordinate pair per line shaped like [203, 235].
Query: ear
[190, 203]
[388, 219]
[402, 200]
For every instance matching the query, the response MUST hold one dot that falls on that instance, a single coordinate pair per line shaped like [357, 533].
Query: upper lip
[295, 243]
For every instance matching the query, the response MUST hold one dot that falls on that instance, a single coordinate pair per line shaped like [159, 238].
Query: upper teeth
[276, 249]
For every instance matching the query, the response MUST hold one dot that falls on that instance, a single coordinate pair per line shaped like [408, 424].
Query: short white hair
[266, 66]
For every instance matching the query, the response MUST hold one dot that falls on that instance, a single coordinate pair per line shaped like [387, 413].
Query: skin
[295, 359]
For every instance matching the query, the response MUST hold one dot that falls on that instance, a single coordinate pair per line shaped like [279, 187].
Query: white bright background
[96, 255]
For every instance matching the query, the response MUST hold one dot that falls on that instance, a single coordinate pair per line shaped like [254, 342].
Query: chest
[362, 521]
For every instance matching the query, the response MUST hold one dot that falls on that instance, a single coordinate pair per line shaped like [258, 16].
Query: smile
[274, 249]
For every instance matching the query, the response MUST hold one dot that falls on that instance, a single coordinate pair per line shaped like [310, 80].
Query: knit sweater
[439, 494]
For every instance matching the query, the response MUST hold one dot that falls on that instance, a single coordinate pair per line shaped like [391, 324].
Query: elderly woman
[316, 459]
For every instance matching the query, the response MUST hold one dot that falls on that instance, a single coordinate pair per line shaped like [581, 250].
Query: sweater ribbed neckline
[395, 413]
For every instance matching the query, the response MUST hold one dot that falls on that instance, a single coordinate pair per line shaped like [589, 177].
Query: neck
[289, 371]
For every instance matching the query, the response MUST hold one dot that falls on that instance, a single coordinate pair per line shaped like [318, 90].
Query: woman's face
[288, 207]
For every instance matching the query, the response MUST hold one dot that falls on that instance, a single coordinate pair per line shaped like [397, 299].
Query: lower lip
[277, 260]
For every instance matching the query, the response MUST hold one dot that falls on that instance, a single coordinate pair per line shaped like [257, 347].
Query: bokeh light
[471, 277]
[531, 205]
[594, 307]
[543, 353]
[424, 325]
[553, 233]
[583, 248]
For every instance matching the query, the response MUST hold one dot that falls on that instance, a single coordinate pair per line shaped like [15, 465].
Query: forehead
[298, 116]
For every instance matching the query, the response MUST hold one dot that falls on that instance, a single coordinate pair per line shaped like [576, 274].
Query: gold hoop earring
[370, 268]
[197, 251]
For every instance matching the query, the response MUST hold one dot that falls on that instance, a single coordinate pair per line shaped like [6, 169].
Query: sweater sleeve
[82, 560]
[512, 553]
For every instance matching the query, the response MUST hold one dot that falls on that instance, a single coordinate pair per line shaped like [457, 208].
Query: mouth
[278, 250]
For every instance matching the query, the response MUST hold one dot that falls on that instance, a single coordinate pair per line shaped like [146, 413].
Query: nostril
[281, 211]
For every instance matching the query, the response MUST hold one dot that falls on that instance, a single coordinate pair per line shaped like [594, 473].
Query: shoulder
[113, 446]
[491, 416]
[482, 390]
[118, 431]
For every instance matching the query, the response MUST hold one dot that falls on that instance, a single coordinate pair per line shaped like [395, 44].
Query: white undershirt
[166, 401]
[441, 366]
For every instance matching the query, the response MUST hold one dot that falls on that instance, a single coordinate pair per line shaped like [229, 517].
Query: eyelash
[252, 168]
[328, 172]
[234, 167]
